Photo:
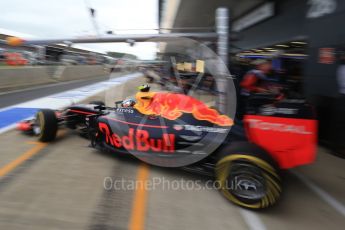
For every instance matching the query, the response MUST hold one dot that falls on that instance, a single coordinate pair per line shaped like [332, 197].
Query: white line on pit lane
[7, 128]
[321, 193]
[66, 98]
[252, 220]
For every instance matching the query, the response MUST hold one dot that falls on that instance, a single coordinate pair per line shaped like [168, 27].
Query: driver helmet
[144, 88]
[128, 103]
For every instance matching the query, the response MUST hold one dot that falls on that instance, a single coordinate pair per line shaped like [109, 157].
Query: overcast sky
[70, 18]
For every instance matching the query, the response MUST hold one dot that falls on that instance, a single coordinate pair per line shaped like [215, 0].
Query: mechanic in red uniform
[255, 80]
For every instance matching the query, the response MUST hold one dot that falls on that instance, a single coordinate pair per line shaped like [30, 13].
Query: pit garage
[301, 36]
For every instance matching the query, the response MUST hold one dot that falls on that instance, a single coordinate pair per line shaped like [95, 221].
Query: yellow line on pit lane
[137, 219]
[21, 159]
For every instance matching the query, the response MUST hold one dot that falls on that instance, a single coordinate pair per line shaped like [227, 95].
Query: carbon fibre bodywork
[285, 129]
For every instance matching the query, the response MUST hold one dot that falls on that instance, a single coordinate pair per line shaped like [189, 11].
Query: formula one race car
[176, 130]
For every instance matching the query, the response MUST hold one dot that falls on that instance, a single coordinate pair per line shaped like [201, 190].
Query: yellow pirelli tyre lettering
[272, 180]
[48, 125]
[40, 116]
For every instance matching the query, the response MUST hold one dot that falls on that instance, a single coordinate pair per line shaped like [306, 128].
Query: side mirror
[100, 107]
[118, 103]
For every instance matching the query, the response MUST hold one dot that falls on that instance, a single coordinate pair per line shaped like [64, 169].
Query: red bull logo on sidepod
[138, 139]
[171, 106]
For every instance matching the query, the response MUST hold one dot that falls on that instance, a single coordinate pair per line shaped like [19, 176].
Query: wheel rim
[37, 130]
[258, 172]
[37, 126]
[247, 181]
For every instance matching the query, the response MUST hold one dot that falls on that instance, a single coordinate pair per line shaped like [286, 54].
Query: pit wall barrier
[27, 76]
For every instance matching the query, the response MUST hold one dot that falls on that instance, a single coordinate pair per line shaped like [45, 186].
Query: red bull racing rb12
[176, 130]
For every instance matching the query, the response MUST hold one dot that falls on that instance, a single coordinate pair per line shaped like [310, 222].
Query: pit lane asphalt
[62, 186]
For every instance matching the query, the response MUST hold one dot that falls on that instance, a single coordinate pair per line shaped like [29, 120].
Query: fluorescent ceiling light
[302, 43]
[281, 45]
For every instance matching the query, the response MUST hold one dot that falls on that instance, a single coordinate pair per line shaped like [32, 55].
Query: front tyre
[46, 125]
[248, 177]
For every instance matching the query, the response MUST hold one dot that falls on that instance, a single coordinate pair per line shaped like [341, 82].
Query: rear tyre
[46, 125]
[248, 176]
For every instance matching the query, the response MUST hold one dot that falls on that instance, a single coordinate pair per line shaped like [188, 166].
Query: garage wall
[288, 23]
